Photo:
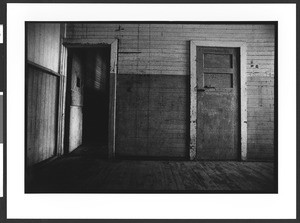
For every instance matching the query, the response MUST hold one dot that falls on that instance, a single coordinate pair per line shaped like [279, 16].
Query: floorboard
[87, 171]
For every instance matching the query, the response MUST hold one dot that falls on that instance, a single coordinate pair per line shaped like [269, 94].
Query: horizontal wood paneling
[159, 42]
[43, 44]
[260, 117]
[41, 115]
[152, 115]
[163, 49]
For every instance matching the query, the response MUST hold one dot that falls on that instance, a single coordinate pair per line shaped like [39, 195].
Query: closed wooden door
[217, 103]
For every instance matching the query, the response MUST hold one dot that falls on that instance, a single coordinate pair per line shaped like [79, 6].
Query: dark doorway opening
[87, 100]
[96, 96]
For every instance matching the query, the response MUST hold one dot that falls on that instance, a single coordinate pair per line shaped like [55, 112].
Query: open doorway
[87, 100]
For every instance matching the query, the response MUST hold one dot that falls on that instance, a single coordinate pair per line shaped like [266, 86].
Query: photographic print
[151, 107]
[150, 111]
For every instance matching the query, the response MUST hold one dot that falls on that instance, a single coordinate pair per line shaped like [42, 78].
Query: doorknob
[210, 87]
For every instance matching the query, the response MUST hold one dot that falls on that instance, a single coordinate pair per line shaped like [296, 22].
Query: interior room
[161, 107]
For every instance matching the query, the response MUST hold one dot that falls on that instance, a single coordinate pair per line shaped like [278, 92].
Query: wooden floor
[84, 171]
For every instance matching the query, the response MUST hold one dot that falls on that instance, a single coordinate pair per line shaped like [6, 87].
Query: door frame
[113, 43]
[193, 92]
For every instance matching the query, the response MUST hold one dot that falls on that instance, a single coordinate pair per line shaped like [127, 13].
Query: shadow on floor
[87, 170]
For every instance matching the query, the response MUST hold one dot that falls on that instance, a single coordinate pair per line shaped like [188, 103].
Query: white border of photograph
[161, 206]
[1, 168]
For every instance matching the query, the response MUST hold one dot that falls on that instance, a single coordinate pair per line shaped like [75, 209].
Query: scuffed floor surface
[84, 171]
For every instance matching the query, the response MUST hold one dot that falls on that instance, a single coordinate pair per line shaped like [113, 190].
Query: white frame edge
[193, 93]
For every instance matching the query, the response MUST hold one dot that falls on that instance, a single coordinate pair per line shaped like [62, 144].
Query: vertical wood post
[112, 98]
[243, 98]
[193, 102]
[62, 91]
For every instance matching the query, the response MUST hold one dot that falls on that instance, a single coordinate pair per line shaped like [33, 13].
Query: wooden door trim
[112, 86]
[193, 93]
[112, 98]
[62, 69]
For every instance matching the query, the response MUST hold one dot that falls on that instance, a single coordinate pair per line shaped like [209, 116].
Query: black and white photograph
[151, 107]
[149, 111]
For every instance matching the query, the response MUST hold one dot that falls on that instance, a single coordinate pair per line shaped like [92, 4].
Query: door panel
[217, 104]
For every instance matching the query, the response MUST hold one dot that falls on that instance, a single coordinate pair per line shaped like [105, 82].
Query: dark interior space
[96, 96]
[87, 102]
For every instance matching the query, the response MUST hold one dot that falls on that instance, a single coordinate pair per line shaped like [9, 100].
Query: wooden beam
[243, 98]
[193, 102]
[40, 67]
[81, 43]
[62, 96]
[112, 99]
[60, 118]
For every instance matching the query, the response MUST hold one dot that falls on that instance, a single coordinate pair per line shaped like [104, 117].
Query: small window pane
[218, 80]
[217, 60]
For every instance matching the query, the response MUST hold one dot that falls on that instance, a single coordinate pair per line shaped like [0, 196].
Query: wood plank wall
[44, 44]
[163, 50]
[41, 115]
[43, 49]
[152, 112]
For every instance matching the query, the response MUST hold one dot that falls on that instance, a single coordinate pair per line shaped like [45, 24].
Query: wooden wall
[43, 44]
[41, 115]
[42, 88]
[152, 112]
[162, 51]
